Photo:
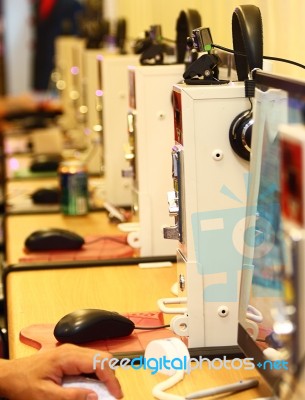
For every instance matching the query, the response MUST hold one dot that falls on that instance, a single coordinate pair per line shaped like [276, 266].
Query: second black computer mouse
[53, 239]
[46, 196]
[45, 162]
[88, 325]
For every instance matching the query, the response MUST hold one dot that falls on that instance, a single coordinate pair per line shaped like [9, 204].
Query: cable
[171, 349]
[253, 314]
[217, 46]
[168, 40]
[264, 57]
[122, 240]
[285, 60]
[158, 390]
[152, 327]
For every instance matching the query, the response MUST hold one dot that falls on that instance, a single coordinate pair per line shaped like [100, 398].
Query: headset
[247, 32]
[240, 134]
[187, 21]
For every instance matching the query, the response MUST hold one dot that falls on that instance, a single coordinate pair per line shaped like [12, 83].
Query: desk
[18, 227]
[18, 194]
[44, 296]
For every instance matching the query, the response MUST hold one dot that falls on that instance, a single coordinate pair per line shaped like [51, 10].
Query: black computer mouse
[88, 325]
[46, 196]
[53, 239]
[45, 162]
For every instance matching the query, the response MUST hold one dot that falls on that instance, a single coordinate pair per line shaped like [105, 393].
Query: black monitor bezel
[290, 85]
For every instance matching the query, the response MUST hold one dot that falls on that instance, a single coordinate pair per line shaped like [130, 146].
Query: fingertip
[118, 393]
[92, 396]
[113, 386]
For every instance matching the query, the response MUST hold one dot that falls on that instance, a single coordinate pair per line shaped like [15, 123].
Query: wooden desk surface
[18, 227]
[45, 296]
[18, 194]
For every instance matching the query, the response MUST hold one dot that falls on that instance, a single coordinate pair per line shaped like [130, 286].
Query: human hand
[40, 376]
[27, 103]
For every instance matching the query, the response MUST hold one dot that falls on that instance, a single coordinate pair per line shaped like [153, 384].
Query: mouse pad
[96, 247]
[40, 336]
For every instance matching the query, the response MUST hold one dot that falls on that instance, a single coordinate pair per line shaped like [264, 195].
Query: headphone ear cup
[240, 134]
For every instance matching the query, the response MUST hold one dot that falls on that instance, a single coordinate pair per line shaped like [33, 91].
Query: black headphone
[240, 134]
[186, 22]
[247, 39]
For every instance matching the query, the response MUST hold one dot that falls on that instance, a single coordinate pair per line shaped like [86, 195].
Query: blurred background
[22, 30]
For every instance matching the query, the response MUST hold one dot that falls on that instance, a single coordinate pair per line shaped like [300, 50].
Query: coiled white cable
[159, 390]
[171, 349]
[253, 314]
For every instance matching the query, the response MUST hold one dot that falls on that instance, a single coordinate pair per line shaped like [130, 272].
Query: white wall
[18, 44]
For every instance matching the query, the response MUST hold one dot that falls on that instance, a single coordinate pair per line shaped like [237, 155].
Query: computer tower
[67, 78]
[106, 93]
[150, 126]
[208, 203]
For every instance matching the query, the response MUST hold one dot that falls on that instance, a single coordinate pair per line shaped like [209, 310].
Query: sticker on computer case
[292, 181]
[177, 117]
[132, 89]
[218, 241]
[225, 241]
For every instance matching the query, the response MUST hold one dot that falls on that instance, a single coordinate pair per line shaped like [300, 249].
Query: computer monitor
[268, 323]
